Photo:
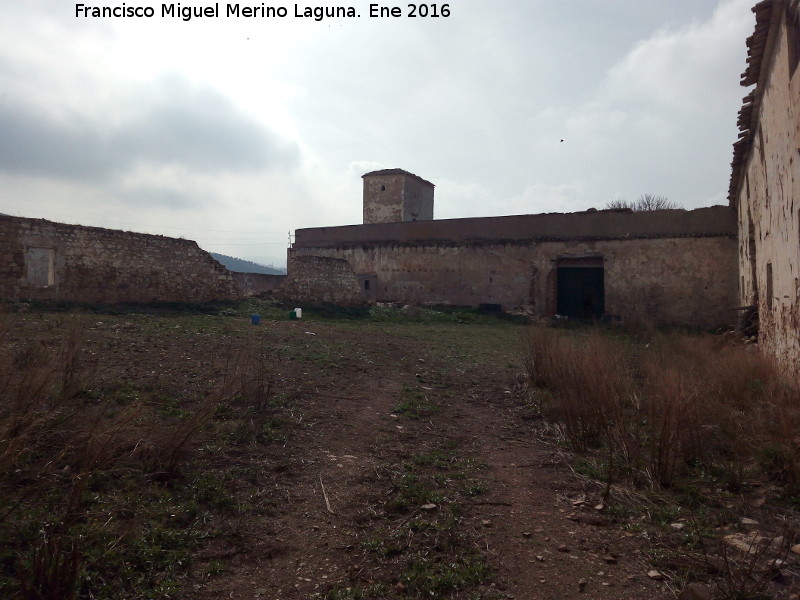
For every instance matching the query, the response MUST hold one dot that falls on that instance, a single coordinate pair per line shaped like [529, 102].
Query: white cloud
[266, 126]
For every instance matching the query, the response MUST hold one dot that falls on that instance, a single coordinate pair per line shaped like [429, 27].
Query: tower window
[383, 188]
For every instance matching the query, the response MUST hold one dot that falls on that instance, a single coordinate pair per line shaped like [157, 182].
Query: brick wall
[42, 260]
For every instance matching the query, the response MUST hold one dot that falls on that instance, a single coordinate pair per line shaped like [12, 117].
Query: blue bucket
[255, 319]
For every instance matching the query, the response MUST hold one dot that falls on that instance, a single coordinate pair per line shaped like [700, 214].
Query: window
[769, 286]
[383, 188]
[366, 284]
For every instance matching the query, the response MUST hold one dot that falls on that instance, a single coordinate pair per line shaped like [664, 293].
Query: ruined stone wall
[257, 283]
[681, 280]
[313, 279]
[768, 204]
[42, 260]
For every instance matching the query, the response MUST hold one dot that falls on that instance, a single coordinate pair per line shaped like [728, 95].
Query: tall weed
[668, 405]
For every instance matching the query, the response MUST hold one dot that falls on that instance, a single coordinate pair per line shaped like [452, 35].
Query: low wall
[42, 260]
[252, 284]
[320, 279]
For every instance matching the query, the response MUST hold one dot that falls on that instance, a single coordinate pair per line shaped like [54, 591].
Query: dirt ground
[534, 524]
[405, 461]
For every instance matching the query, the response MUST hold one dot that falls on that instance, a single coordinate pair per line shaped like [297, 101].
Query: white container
[298, 312]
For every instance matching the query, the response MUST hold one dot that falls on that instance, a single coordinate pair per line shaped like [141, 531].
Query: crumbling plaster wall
[418, 204]
[383, 198]
[42, 260]
[689, 281]
[768, 204]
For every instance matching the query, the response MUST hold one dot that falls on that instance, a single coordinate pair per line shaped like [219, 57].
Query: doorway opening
[580, 288]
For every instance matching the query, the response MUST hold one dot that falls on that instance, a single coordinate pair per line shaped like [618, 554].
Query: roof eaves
[760, 47]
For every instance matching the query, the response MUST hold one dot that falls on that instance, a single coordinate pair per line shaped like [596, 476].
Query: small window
[769, 286]
[383, 188]
[366, 284]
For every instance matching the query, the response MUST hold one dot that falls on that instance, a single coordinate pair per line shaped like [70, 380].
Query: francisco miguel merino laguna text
[186, 13]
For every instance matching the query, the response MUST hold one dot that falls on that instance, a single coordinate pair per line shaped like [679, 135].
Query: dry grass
[63, 437]
[673, 404]
[671, 410]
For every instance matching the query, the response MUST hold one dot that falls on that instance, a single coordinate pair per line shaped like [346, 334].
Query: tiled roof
[396, 172]
[760, 47]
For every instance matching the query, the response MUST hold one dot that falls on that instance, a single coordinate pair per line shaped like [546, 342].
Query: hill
[245, 266]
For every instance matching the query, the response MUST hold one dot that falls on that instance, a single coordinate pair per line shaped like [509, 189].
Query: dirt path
[381, 419]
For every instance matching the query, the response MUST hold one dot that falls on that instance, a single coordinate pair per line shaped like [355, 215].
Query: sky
[235, 132]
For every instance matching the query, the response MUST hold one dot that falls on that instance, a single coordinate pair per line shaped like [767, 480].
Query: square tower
[395, 195]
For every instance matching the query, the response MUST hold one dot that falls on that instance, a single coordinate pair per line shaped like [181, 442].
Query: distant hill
[245, 266]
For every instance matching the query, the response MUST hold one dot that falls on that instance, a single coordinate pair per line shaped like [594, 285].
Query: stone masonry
[318, 279]
[42, 260]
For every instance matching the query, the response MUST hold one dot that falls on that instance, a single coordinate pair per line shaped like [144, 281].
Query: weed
[691, 414]
[414, 404]
[429, 577]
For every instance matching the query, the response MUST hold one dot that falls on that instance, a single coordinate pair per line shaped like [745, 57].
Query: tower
[395, 195]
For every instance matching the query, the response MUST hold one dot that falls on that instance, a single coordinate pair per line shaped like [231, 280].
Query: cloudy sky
[235, 131]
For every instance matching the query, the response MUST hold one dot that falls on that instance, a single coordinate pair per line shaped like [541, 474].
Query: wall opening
[41, 266]
[769, 286]
[580, 288]
[751, 251]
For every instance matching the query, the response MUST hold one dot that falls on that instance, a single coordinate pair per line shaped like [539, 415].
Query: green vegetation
[108, 488]
[424, 537]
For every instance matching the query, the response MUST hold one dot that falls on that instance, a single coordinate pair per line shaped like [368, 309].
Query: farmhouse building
[765, 180]
[666, 266]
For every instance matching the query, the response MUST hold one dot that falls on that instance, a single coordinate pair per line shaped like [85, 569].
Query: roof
[760, 47]
[396, 172]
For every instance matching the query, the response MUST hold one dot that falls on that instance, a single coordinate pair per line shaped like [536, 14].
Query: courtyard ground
[338, 458]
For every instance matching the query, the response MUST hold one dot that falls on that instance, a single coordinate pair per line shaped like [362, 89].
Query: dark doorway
[580, 292]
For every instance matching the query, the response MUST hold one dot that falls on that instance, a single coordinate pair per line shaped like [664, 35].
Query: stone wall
[319, 279]
[766, 182]
[42, 260]
[383, 198]
[252, 284]
[659, 266]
